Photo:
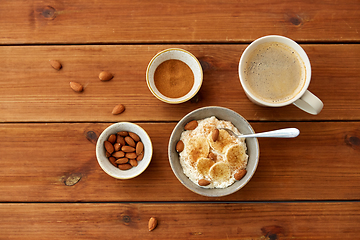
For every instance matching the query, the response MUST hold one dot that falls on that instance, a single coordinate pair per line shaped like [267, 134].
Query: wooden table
[51, 184]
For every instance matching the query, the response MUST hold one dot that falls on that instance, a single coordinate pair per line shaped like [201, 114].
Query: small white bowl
[222, 114]
[178, 54]
[104, 161]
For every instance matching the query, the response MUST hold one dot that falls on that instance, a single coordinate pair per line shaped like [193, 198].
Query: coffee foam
[274, 72]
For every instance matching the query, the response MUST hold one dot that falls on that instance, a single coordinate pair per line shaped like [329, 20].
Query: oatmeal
[212, 163]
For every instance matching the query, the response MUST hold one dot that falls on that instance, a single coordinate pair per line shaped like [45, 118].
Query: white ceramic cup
[304, 99]
[177, 54]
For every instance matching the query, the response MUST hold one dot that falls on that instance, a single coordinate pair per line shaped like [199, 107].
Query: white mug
[303, 99]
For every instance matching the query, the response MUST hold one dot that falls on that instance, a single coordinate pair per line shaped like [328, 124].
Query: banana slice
[220, 172]
[223, 140]
[197, 148]
[203, 166]
[236, 156]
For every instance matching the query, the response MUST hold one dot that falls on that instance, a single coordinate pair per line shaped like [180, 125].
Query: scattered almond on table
[124, 149]
[118, 109]
[152, 223]
[105, 76]
[77, 87]
[55, 64]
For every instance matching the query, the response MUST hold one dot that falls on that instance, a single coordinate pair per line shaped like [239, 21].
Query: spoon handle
[281, 133]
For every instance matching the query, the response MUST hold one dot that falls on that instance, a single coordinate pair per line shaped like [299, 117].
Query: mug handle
[309, 103]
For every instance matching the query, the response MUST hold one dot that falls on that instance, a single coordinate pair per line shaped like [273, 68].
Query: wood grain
[57, 163]
[181, 221]
[140, 21]
[32, 91]
[51, 186]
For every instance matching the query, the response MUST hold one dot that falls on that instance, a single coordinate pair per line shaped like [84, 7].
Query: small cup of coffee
[174, 75]
[275, 71]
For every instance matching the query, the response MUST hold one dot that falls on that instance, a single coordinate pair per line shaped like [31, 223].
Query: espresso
[274, 72]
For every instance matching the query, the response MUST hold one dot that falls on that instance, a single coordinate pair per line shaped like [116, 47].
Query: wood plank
[57, 163]
[31, 91]
[181, 221]
[111, 21]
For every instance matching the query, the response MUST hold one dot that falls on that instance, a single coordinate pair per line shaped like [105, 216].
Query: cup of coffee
[275, 71]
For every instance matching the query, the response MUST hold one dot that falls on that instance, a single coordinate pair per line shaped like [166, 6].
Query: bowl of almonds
[124, 150]
[206, 158]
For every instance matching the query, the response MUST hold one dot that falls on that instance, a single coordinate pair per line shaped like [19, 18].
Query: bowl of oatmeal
[207, 159]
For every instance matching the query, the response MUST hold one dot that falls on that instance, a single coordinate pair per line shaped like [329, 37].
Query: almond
[139, 148]
[122, 160]
[125, 166]
[212, 156]
[152, 223]
[117, 147]
[191, 125]
[180, 146]
[109, 147]
[105, 76]
[134, 136]
[118, 154]
[118, 109]
[77, 87]
[215, 134]
[123, 134]
[133, 162]
[140, 157]
[240, 174]
[203, 182]
[112, 138]
[131, 155]
[130, 141]
[55, 64]
[120, 140]
[127, 149]
[113, 161]
[123, 151]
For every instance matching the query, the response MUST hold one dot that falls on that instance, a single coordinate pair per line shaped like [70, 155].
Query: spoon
[281, 133]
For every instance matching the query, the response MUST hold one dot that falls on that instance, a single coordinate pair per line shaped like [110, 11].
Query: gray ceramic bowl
[223, 114]
[103, 160]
